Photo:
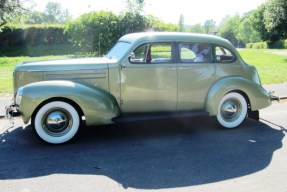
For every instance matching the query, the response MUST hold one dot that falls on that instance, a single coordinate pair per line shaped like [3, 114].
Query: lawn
[272, 67]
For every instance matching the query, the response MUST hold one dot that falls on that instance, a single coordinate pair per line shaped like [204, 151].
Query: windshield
[118, 50]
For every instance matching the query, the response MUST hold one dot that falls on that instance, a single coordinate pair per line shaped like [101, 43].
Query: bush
[249, 45]
[35, 40]
[32, 35]
[276, 45]
[258, 45]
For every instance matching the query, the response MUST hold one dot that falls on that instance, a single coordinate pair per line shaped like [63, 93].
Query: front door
[149, 79]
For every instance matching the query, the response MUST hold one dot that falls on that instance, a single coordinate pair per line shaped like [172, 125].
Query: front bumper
[11, 111]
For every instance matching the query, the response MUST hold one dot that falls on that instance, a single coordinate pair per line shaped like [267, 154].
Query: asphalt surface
[167, 155]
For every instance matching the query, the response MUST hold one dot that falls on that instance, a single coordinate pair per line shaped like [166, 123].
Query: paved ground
[278, 51]
[174, 155]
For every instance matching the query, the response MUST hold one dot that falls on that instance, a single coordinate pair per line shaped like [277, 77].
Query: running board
[131, 117]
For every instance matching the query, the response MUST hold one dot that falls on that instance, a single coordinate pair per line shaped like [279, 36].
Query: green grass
[272, 68]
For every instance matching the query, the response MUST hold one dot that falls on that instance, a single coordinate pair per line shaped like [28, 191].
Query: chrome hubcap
[57, 122]
[230, 109]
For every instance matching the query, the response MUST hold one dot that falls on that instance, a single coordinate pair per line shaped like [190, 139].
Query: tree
[197, 28]
[95, 31]
[34, 17]
[155, 24]
[181, 24]
[52, 12]
[229, 29]
[135, 6]
[246, 32]
[209, 26]
[275, 18]
[9, 9]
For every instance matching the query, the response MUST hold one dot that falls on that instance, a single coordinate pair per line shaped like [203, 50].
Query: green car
[144, 76]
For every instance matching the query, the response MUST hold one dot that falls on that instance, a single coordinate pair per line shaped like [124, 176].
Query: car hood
[65, 64]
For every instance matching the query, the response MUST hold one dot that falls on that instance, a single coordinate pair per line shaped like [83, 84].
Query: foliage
[154, 24]
[228, 31]
[32, 35]
[258, 45]
[10, 9]
[197, 28]
[35, 40]
[267, 23]
[246, 32]
[275, 18]
[210, 26]
[99, 31]
[52, 14]
[94, 31]
[135, 6]
[181, 24]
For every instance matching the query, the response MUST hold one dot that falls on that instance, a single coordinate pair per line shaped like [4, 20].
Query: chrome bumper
[10, 112]
[273, 97]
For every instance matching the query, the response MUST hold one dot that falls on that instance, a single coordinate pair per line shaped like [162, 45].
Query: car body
[144, 76]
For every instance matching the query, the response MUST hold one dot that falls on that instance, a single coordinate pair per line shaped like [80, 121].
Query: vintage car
[144, 76]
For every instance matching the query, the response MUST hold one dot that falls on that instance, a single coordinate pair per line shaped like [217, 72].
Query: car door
[195, 75]
[149, 79]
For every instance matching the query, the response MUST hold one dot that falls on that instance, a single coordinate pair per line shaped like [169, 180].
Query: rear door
[195, 74]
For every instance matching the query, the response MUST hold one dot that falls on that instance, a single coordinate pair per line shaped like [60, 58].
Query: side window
[152, 53]
[139, 54]
[160, 53]
[195, 53]
[223, 55]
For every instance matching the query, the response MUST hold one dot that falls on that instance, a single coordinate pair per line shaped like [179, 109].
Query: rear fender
[257, 96]
[98, 106]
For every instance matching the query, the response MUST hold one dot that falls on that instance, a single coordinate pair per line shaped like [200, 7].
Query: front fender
[258, 97]
[98, 106]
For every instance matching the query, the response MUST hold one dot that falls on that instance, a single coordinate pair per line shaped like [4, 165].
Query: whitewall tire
[232, 110]
[56, 122]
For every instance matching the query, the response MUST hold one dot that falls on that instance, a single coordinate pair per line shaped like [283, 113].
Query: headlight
[19, 96]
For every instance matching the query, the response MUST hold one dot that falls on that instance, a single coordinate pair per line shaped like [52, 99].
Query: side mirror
[132, 55]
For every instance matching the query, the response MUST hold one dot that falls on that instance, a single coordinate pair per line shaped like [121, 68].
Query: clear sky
[194, 11]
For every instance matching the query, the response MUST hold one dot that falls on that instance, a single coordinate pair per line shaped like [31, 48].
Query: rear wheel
[56, 122]
[232, 110]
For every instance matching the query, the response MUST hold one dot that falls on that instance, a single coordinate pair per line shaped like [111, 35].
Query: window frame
[150, 44]
[223, 62]
[189, 42]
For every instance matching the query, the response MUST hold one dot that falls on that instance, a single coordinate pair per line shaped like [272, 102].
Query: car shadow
[146, 155]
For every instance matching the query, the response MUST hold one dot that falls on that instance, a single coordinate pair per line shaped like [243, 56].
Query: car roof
[144, 37]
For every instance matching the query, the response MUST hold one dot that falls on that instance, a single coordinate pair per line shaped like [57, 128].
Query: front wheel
[56, 122]
[232, 110]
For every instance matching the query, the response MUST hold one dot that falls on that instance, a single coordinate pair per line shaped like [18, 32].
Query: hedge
[35, 40]
[33, 35]
[281, 44]
[258, 45]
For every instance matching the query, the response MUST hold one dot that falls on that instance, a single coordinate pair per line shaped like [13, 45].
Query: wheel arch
[97, 105]
[63, 99]
[256, 96]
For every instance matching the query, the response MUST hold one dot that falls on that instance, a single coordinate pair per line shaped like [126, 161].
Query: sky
[194, 11]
